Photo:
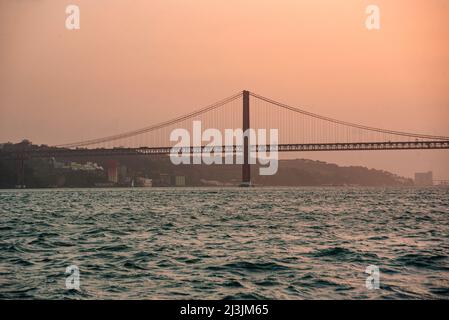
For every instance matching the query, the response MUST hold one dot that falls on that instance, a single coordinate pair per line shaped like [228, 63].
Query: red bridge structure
[299, 130]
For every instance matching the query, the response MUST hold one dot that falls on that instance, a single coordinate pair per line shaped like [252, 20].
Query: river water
[233, 243]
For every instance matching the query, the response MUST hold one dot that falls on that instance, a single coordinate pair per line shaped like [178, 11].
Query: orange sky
[134, 63]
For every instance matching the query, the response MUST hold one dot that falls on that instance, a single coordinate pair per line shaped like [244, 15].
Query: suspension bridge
[299, 130]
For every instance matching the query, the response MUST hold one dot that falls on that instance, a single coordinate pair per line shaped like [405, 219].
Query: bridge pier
[246, 166]
[20, 170]
[112, 171]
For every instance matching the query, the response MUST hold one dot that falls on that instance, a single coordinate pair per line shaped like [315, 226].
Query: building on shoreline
[423, 179]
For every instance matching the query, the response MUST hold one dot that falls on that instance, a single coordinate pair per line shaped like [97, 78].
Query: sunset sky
[135, 63]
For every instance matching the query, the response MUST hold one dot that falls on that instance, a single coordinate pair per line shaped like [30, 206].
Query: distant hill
[303, 172]
[298, 172]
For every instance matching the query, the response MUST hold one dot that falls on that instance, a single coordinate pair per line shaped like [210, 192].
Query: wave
[250, 266]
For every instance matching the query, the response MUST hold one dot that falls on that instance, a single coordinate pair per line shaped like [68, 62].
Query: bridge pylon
[20, 170]
[246, 166]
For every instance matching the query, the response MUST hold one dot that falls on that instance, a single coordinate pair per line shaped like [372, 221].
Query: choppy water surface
[225, 243]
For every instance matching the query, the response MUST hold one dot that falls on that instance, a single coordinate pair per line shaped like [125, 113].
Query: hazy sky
[134, 63]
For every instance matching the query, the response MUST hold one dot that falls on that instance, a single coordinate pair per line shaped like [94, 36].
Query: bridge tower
[20, 169]
[246, 167]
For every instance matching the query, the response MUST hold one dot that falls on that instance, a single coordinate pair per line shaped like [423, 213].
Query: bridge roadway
[142, 151]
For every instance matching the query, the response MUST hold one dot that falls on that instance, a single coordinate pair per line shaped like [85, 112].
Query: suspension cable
[153, 127]
[349, 124]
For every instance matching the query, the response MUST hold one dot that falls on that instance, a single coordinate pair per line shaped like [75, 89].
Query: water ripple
[284, 243]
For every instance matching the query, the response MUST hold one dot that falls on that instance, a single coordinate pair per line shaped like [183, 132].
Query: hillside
[298, 172]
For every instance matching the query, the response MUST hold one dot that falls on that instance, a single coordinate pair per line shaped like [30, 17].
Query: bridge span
[299, 131]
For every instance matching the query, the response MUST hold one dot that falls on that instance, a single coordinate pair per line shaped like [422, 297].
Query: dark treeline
[41, 173]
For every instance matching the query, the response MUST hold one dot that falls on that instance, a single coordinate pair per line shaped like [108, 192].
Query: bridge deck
[142, 151]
